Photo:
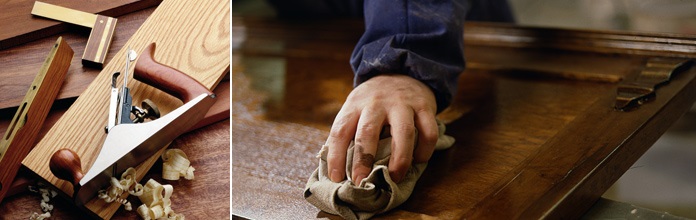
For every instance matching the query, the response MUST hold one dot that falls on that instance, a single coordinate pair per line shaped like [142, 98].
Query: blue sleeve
[422, 39]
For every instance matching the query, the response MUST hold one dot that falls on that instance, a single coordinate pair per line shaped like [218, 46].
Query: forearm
[419, 39]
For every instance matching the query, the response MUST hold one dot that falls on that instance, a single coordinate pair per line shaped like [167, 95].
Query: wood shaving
[156, 202]
[118, 187]
[37, 216]
[176, 165]
[156, 198]
[46, 207]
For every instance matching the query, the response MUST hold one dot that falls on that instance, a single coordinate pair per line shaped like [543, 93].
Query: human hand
[400, 101]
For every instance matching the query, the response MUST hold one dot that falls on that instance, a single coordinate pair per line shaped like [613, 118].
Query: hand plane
[130, 138]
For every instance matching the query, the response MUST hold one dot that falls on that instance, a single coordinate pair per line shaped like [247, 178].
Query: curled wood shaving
[156, 202]
[176, 165]
[37, 216]
[46, 207]
[154, 196]
[118, 187]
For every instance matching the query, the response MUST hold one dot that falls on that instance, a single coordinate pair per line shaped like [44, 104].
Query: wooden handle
[65, 164]
[166, 78]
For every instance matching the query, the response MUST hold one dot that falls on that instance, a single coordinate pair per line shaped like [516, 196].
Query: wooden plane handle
[66, 165]
[165, 78]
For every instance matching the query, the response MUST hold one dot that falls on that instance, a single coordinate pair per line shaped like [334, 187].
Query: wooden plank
[192, 36]
[529, 144]
[20, 62]
[19, 26]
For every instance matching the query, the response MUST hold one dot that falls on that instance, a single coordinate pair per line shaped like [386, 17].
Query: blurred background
[664, 178]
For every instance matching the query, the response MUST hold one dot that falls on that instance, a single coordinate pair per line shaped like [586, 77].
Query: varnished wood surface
[195, 42]
[22, 62]
[536, 132]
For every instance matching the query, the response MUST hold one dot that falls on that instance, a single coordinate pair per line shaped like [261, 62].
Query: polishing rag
[377, 193]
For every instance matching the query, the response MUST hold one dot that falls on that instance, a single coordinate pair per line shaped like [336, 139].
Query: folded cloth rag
[376, 193]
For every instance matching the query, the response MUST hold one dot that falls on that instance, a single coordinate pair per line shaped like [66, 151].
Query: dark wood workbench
[207, 196]
[536, 132]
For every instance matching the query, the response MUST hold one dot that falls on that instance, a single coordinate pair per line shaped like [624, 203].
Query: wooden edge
[220, 110]
[493, 34]
[611, 166]
[606, 42]
[573, 178]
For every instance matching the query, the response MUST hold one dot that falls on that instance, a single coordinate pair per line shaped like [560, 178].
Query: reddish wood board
[19, 26]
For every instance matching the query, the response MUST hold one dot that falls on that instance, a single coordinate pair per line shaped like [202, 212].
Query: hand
[400, 101]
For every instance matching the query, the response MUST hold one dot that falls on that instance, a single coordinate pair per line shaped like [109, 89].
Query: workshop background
[664, 178]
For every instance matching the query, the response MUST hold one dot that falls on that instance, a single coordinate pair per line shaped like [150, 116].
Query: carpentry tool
[26, 124]
[100, 37]
[129, 143]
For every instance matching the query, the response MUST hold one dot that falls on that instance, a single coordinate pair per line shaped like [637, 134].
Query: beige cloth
[377, 193]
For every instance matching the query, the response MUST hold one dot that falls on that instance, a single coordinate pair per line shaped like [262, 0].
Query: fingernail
[335, 176]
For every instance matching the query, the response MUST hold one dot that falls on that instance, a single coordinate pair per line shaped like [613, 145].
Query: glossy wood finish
[536, 132]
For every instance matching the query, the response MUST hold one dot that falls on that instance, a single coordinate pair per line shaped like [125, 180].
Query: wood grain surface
[23, 61]
[191, 36]
[19, 26]
[536, 133]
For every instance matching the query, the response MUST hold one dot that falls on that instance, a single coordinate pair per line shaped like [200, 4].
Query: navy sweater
[419, 38]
